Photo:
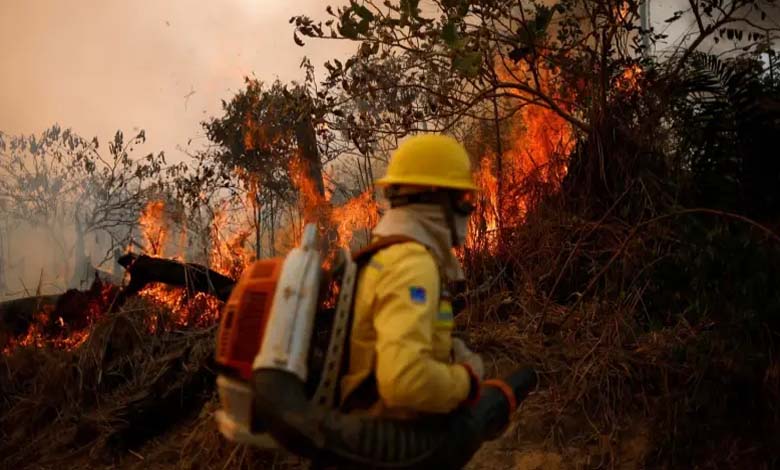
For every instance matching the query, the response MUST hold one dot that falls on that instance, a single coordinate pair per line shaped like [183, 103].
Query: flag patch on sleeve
[417, 294]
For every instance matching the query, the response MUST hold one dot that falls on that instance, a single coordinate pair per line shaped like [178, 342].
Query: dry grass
[619, 388]
[577, 299]
[119, 388]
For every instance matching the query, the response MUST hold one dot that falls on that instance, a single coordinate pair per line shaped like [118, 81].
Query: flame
[154, 227]
[314, 206]
[629, 80]
[185, 309]
[50, 329]
[229, 255]
[539, 142]
[359, 213]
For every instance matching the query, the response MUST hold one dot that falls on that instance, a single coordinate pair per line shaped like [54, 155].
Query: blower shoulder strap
[337, 354]
[364, 254]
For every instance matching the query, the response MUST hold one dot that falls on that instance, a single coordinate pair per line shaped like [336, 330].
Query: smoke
[38, 259]
[99, 66]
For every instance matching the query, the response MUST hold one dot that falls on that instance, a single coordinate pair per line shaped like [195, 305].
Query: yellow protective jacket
[400, 344]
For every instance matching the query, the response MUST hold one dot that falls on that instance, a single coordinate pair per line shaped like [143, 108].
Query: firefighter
[402, 359]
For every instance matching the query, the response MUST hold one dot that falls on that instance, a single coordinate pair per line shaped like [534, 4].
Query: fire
[539, 141]
[629, 79]
[228, 253]
[227, 256]
[313, 205]
[154, 227]
[66, 325]
[186, 309]
[37, 337]
[359, 213]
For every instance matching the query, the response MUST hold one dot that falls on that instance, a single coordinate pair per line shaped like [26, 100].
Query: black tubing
[352, 441]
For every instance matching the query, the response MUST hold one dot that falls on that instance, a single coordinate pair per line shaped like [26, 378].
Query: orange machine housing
[245, 316]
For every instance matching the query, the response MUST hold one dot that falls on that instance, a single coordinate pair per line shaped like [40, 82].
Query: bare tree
[61, 182]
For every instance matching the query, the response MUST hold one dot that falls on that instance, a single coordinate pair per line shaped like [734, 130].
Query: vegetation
[626, 243]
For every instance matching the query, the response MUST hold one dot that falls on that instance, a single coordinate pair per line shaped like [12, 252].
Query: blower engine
[271, 395]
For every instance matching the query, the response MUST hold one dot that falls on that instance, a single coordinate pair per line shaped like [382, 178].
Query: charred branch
[144, 270]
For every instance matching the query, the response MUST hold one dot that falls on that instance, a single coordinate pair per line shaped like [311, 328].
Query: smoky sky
[164, 66]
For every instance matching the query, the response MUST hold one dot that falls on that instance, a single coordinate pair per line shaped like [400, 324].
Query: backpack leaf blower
[265, 348]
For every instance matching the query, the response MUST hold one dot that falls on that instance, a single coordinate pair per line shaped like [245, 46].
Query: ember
[186, 309]
[66, 324]
[189, 308]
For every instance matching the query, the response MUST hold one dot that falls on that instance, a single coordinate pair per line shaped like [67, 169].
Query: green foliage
[256, 134]
[467, 64]
[441, 59]
[728, 117]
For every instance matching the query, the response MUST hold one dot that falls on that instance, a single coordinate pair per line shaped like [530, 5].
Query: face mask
[461, 228]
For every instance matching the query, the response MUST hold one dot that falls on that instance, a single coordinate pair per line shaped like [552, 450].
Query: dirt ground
[526, 445]
[197, 445]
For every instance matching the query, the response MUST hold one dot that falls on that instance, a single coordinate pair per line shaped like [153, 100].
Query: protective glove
[463, 355]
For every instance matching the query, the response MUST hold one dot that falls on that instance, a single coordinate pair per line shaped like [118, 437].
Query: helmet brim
[427, 181]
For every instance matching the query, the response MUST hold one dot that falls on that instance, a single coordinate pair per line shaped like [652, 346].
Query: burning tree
[536, 76]
[261, 131]
[272, 146]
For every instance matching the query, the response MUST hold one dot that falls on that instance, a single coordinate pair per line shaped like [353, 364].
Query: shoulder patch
[417, 294]
[444, 317]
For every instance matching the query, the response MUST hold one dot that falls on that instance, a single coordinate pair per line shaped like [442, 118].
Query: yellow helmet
[430, 160]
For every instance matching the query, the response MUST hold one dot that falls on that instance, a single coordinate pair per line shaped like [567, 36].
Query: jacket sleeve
[406, 304]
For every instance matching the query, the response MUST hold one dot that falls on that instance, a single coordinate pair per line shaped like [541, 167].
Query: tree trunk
[499, 174]
[81, 266]
[272, 231]
[318, 210]
[309, 154]
[257, 209]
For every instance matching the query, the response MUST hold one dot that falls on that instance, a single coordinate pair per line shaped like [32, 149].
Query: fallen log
[144, 270]
[55, 314]
[17, 315]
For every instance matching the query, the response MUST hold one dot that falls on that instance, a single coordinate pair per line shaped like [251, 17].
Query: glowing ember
[186, 309]
[628, 81]
[66, 325]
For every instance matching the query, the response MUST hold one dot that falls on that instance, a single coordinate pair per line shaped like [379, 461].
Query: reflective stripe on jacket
[401, 336]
